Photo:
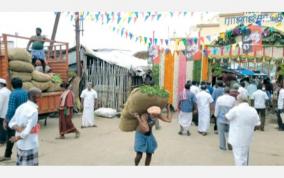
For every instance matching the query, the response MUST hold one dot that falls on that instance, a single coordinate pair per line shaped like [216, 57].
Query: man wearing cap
[243, 119]
[4, 99]
[37, 42]
[89, 97]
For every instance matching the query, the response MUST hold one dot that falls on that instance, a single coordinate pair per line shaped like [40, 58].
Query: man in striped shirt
[17, 97]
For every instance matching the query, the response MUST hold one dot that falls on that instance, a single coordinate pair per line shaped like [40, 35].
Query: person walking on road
[243, 119]
[4, 101]
[260, 98]
[145, 141]
[89, 97]
[223, 105]
[204, 101]
[187, 105]
[66, 125]
[24, 122]
[17, 97]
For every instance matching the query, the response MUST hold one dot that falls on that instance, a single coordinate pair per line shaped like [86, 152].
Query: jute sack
[20, 66]
[40, 77]
[127, 125]
[54, 87]
[138, 102]
[43, 86]
[19, 54]
[27, 85]
[24, 76]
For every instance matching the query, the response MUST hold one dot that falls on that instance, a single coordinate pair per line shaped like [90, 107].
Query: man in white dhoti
[204, 101]
[88, 96]
[186, 106]
[243, 119]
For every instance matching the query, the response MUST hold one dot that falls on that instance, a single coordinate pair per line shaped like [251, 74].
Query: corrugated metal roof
[121, 58]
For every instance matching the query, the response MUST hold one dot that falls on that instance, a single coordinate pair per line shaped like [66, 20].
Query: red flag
[256, 37]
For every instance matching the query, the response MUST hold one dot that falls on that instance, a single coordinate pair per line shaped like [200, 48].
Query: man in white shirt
[204, 103]
[243, 120]
[4, 100]
[223, 104]
[260, 98]
[89, 97]
[195, 90]
[24, 122]
[280, 104]
[242, 89]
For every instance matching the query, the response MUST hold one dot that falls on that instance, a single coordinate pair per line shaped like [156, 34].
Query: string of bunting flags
[120, 18]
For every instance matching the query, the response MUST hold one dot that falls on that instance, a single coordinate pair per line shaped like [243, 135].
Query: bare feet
[61, 137]
[77, 134]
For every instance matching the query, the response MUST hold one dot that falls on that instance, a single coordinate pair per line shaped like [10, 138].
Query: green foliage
[71, 74]
[154, 91]
[56, 79]
[156, 73]
[216, 70]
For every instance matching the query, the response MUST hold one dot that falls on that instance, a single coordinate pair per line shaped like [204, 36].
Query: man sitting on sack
[37, 51]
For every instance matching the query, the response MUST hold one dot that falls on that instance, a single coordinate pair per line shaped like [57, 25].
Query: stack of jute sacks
[20, 66]
[139, 101]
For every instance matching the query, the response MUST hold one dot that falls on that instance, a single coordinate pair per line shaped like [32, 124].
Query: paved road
[107, 145]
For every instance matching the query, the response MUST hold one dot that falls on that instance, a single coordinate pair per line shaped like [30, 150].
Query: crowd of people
[19, 118]
[236, 108]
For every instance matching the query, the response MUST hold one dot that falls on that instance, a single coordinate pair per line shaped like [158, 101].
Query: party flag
[184, 13]
[208, 38]
[172, 14]
[195, 40]
[151, 40]
[126, 34]
[135, 19]
[155, 41]
[159, 16]
[145, 40]
[129, 19]
[136, 13]
[153, 16]
[113, 28]
[161, 41]
[118, 19]
[146, 17]
[136, 39]
[166, 41]
[184, 41]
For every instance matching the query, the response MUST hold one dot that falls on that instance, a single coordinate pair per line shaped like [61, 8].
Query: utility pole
[77, 32]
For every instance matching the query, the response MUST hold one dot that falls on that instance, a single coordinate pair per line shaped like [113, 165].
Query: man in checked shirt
[17, 97]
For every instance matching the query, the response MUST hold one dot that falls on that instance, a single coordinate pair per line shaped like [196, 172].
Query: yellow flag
[279, 24]
[222, 35]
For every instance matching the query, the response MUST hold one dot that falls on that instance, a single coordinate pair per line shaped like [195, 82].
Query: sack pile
[139, 101]
[20, 66]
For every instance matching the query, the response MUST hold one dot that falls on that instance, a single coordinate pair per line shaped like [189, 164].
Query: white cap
[3, 81]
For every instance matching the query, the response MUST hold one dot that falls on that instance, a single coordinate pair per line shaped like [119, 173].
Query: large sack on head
[24, 76]
[43, 86]
[138, 102]
[127, 125]
[54, 87]
[27, 85]
[40, 77]
[19, 54]
[20, 66]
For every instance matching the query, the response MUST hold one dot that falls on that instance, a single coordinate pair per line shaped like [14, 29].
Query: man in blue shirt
[17, 97]
[186, 106]
[219, 91]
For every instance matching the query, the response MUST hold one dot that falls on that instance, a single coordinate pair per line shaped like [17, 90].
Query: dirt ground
[107, 145]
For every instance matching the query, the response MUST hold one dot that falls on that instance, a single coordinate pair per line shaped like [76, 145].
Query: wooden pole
[55, 26]
[77, 32]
